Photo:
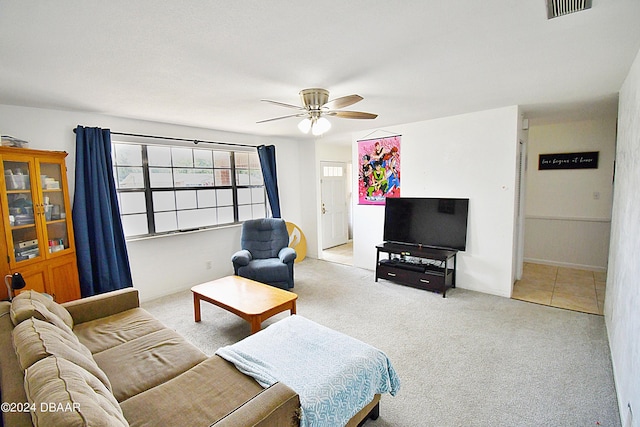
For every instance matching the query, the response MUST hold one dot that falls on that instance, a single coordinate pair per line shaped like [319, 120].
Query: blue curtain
[267, 155]
[103, 263]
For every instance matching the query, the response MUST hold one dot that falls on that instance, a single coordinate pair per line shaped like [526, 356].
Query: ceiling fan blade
[343, 101]
[282, 104]
[352, 114]
[283, 117]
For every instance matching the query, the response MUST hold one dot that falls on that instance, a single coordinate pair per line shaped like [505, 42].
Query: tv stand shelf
[417, 266]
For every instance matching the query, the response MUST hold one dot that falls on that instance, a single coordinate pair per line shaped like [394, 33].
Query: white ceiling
[209, 63]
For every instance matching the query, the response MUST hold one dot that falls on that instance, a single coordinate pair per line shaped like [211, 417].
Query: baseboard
[566, 264]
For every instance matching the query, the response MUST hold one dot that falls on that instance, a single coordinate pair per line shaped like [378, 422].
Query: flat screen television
[431, 222]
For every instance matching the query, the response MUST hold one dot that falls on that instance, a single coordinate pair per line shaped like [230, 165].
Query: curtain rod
[171, 138]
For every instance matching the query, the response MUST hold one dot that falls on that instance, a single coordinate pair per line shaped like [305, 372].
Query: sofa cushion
[210, 390]
[265, 270]
[102, 305]
[101, 334]
[34, 340]
[11, 376]
[147, 361]
[33, 304]
[64, 394]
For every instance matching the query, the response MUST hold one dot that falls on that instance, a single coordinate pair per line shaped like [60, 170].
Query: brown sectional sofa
[104, 361]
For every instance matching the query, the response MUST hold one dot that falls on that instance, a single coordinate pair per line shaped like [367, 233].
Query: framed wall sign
[585, 160]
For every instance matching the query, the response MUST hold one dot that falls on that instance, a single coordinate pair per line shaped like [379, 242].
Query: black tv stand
[421, 267]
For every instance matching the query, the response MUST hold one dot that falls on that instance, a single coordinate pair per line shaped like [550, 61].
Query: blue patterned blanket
[335, 375]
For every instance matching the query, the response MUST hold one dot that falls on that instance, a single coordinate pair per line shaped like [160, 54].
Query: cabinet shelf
[424, 268]
[23, 226]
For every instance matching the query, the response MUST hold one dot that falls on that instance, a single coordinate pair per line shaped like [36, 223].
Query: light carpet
[470, 359]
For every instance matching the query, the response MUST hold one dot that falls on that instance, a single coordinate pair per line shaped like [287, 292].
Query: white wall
[309, 194]
[468, 156]
[622, 300]
[164, 265]
[518, 238]
[566, 224]
[331, 152]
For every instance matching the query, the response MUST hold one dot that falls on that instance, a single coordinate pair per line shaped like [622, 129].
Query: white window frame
[217, 196]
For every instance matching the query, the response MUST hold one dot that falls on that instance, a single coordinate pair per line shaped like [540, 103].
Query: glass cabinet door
[22, 210]
[35, 220]
[53, 207]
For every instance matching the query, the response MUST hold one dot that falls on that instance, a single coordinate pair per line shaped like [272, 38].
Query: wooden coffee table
[251, 300]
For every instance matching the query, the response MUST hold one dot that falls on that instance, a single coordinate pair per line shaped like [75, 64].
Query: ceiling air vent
[557, 8]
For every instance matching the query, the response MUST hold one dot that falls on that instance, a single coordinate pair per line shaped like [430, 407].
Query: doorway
[334, 205]
[566, 220]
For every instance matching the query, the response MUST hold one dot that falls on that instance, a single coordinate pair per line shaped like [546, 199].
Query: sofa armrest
[102, 305]
[287, 255]
[276, 406]
[242, 257]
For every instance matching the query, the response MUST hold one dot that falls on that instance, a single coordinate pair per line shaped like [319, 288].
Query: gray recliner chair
[265, 255]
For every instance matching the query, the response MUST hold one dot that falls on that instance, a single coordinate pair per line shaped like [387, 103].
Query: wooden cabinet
[425, 268]
[37, 232]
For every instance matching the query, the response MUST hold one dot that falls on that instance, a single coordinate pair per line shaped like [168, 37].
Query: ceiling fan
[316, 105]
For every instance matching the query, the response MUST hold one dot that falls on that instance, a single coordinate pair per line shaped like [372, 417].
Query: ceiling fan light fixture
[305, 125]
[316, 105]
[320, 126]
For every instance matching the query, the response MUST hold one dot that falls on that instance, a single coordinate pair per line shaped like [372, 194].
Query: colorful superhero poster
[379, 174]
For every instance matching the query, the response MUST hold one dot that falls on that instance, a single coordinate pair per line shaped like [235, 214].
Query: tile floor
[568, 288]
[342, 254]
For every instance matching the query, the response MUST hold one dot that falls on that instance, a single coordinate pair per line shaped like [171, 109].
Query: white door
[333, 184]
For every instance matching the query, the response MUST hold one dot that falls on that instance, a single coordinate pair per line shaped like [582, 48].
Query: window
[165, 189]
[332, 171]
